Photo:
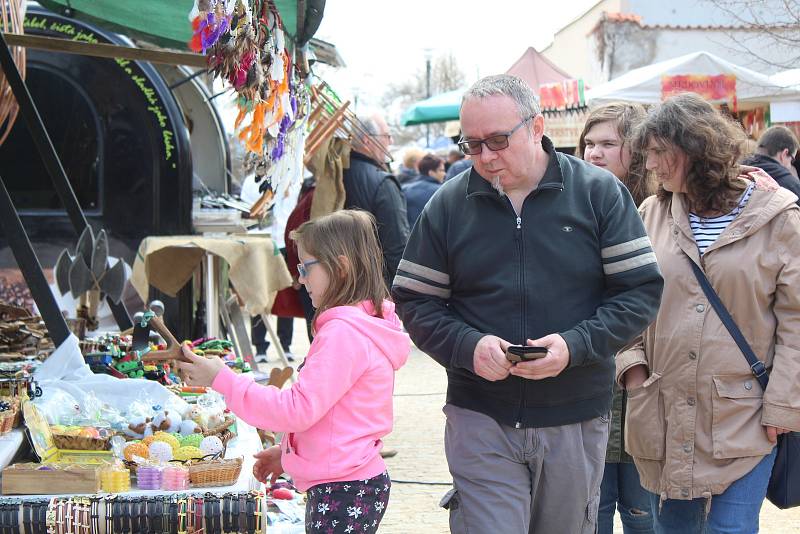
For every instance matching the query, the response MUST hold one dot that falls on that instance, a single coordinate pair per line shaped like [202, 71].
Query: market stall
[119, 442]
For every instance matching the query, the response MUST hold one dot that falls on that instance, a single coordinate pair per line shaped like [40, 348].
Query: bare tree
[445, 76]
[774, 22]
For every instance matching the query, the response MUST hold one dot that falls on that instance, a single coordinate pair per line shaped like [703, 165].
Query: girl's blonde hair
[346, 245]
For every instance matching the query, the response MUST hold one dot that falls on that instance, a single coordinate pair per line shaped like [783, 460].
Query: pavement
[420, 470]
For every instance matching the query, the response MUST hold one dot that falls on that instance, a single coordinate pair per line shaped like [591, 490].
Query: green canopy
[440, 108]
[163, 22]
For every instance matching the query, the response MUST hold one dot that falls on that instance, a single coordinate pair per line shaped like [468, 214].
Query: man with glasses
[775, 154]
[537, 248]
[369, 187]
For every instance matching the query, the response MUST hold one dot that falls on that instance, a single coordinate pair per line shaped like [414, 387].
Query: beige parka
[696, 424]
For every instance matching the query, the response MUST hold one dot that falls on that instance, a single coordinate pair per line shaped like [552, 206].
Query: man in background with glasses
[369, 187]
[536, 248]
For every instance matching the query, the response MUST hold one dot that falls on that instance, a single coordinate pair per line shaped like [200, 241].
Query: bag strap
[756, 365]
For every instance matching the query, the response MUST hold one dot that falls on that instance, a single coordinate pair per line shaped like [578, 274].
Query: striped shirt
[707, 230]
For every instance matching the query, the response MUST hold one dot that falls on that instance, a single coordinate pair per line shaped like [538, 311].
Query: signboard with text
[710, 87]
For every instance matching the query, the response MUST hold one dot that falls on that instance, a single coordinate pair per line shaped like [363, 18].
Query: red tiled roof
[615, 16]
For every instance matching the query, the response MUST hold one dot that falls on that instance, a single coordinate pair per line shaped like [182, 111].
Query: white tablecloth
[10, 445]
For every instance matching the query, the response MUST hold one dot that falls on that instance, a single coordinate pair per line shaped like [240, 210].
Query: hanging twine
[12, 15]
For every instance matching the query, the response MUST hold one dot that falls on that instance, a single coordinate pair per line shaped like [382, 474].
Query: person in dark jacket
[431, 176]
[457, 168]
[369, 187]
[409, 168]
[535, 248]
[775, 154]
[606, 142]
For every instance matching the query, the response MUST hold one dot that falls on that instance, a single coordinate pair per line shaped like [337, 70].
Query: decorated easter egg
[188, 453]
[211, 445]
[147, 440]
[167, 438]
[192, 440]
[136, 448]
[161, 451]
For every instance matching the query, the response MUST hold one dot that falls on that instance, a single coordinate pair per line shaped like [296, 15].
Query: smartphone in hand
[524, 353]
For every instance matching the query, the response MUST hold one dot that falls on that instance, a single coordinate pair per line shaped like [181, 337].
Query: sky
[384, 41]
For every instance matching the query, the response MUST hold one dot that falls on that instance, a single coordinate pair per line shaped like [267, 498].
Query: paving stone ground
[418, 437]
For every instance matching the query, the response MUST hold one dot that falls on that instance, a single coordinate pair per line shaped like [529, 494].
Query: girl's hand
[199, 370]
[773, 432]
[635, 377]
[268, 462]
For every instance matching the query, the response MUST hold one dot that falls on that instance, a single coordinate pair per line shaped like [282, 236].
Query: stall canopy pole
[31, 269]
[50, 159]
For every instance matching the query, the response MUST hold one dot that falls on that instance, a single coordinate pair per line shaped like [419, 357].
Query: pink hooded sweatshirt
[336, 413]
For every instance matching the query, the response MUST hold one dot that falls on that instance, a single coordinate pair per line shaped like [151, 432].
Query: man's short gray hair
[506, 85]
[369, 123]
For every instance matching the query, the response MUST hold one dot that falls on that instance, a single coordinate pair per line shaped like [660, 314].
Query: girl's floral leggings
[347, 507]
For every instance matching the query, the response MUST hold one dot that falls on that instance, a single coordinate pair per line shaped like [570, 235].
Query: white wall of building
[571, 49]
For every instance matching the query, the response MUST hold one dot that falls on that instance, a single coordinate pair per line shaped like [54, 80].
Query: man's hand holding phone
[489, 358]
[554, 361]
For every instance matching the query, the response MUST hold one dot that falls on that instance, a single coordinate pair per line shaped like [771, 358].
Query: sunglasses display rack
[208, 513]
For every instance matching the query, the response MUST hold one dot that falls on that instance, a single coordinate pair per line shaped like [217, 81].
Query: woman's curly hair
[712, 143]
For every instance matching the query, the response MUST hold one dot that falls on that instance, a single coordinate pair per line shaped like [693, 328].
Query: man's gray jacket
[576, 262]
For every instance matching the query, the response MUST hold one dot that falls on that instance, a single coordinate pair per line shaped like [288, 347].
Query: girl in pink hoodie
[336, 413]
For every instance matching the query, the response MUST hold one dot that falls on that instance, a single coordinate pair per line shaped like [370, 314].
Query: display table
[136, 509]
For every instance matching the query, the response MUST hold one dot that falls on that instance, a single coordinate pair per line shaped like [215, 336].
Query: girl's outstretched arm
[338, 357]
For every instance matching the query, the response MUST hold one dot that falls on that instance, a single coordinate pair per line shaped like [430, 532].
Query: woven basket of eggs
[85, 438]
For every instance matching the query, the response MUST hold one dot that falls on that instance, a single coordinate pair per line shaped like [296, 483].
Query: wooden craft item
[173, 350]
[29, 479]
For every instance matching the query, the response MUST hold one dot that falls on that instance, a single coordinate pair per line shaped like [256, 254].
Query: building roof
[619, 17]
[536, 69]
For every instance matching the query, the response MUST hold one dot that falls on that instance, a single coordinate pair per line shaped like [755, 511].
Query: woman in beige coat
[700, 429]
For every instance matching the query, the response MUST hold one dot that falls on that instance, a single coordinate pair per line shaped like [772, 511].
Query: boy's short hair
[775, 139]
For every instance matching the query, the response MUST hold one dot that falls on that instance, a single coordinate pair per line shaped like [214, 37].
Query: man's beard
[498, 186]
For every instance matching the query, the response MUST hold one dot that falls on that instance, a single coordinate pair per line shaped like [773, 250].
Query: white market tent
[787, 78]
[644, 84]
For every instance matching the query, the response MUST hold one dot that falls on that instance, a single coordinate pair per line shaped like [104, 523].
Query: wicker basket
[7, 420]
[214, 473]
[220, 428]
[14, 413]
[80, 443]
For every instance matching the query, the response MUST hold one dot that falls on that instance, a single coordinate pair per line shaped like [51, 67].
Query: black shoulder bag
[784, 484]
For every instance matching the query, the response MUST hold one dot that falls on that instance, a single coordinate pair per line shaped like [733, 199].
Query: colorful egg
[211, 445]
[137, 448]
[161, 451]
[166, 437]
[188, 453]
[89, 432]
[192, 440]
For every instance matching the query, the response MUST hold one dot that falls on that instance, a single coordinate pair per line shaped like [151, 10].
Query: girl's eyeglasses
[302, 268]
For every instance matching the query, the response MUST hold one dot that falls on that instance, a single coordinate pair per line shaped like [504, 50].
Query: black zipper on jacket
[521, 249]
